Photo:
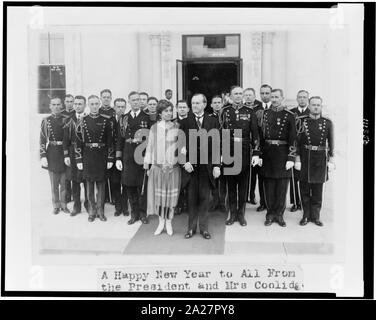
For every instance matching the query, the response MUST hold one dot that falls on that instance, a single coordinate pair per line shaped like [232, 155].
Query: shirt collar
[302, 109]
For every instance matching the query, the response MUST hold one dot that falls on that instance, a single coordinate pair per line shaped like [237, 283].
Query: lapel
[205, 121]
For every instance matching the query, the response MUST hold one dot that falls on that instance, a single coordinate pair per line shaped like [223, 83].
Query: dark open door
[180, 94]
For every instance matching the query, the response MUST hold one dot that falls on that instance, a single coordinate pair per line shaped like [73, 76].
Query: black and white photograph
[184, 149]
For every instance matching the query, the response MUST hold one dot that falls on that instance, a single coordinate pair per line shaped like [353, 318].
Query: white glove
[260, 163]
[67, 161]
[109, 165]
[119, 165]
[148, 172]
[255, 160]
[331, 166]
[80, 166]
[289, 165]
[298, 165]
[44, 162]
[216, 172]
[183, 151]
[188, 167]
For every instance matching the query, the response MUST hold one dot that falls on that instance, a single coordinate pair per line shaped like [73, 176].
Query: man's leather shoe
[189, 234]
[303, 222]
[86, 205]
[117, 213]
[230, 221]
[206, 234]
[65, 210]
[177, 211]
[126, 213]
[242, 221]
[318, 223]
[268, 222]
[252, 201]
[75, 212]
[132, 220]
[222, 208]
[102, 217]
[56, 211]
[281, 222]
[91, 218]
[299, 207]
[261, 208]
[294, 208]
[144, 220]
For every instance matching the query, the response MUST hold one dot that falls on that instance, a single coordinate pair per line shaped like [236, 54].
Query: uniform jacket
[51, 142]
[277, 124]
[129, 137]
[316, 132]
[94, 146]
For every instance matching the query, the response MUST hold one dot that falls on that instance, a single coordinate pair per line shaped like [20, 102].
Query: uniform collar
[237, 106]
[315, 117]
[301, 110]
[56, 115]
[92, 115]
[277, 109]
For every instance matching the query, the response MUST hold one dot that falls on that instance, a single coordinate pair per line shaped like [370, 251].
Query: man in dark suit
[202, 166]
[301, 112]
[129, 137]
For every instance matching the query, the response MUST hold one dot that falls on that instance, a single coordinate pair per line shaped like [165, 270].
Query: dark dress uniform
[219, 193]
[133, 175]
[51, 147]
[294, 182]
[315, 146]
[73, 175]
[240, 117]
[278, 145]
[94, 149]
[201, 180]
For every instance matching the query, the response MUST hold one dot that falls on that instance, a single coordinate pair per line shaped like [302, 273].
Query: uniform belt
[276, 142]
[95, 144]
[56, 143]
[130, 140]
[315, 148]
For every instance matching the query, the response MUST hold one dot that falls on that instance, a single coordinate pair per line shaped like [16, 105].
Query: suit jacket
[208, 123]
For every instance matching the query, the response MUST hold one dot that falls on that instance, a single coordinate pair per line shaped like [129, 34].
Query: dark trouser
[144, 198]
[198, 199]
[183, 201]
[76, 194]
[237, 192]
[294, 187]
[116, 195]
[57, 181]
[255, 172]
[275, 197]
[134, 196]
[311, 194]
[96, 206]
[219, 192]
[68, 190]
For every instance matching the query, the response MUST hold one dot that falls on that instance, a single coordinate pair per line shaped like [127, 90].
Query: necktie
[198, 121]
[266, 106]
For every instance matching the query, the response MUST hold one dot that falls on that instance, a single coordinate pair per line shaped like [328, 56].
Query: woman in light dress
[161, 163]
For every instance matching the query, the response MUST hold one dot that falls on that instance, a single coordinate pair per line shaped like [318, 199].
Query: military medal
[278, 121]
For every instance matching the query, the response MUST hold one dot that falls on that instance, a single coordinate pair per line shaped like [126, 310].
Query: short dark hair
[303, 91]
[215, 97]
[80, 98]
[250, 89]
[266, 86]
[202, 95]
[168, 90]
[143, 93]
[120, 100]
[163, 104]
[182, 101]
[153, 98]
[278, 90]
[106, 90]
[92, 96]
[68, 96]
[132, 93]
[315, 97]
[55, 97]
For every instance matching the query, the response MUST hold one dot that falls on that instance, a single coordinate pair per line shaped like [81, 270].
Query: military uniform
[240, 117]
[295, 198]
[68, 182]
[278, 145]
[315, 147]
[94, 150]
[73, 175]
[132, 176]
[51, 147]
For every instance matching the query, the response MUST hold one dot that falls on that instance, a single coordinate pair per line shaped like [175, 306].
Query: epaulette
[326, 118]
[289, 111]
[106, 116]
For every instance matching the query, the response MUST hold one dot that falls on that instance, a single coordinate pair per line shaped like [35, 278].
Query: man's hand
[188, 167]
[183, 151]
[109, 165]
[44, 162]
[298, 165]
[255, 160]
[146, 166]
[289, 165]
[67, 161]
[331, 166]
[119, 165]
[216, 172]
[260, 162]
[80, 166]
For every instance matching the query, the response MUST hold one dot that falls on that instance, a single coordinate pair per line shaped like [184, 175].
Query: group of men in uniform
[96, 147]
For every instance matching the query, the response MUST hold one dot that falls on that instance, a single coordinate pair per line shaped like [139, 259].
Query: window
[51, 70]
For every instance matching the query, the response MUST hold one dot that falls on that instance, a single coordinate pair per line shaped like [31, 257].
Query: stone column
[145, 61]
[73, 63]
[256, 60]
[166, 62]
[279, 60]
[156, 64]
[267, 41]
